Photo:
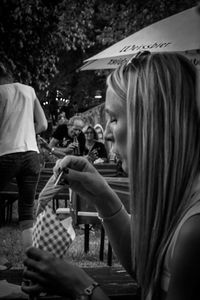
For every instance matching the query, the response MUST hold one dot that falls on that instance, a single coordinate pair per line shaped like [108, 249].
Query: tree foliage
[122, 18]
[33, 32]
[36, 35]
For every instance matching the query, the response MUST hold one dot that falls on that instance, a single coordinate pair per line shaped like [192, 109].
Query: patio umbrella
[179, 33]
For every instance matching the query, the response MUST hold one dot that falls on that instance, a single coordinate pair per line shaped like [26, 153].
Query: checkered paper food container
[52, 235]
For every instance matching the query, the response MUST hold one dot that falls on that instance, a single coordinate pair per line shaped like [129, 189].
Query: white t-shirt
[17, 131]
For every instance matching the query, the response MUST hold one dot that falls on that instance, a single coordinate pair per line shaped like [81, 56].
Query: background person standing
[21, 118]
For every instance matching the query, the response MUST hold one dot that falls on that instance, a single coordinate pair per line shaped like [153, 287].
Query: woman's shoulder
[188, 236]
[190, 231]
[185, 264]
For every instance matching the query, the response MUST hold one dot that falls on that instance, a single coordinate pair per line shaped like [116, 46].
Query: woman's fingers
[31, 264]
[74, 175]
[31, 288]
[83, 182]
[84, 179]
[34, 277]
[73, 162]
[37, 254]
[56, 168]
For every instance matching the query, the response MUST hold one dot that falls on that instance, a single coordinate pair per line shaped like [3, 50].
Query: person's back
[17, 132]
[21, 118]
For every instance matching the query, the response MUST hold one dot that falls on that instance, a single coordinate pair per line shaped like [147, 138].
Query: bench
[115, 281]
[10, 194]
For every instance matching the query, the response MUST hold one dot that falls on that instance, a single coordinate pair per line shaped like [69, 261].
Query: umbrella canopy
[179, 33]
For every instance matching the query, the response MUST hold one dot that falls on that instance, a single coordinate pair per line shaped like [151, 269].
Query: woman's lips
[117, 155]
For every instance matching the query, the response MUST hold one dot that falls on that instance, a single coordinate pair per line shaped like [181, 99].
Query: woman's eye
[113, 120]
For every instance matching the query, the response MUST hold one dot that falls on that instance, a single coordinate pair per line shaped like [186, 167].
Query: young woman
[154, 125]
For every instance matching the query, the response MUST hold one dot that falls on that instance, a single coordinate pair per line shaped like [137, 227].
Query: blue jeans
[25, 167]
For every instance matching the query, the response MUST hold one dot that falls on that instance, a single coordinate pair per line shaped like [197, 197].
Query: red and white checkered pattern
[50, 235]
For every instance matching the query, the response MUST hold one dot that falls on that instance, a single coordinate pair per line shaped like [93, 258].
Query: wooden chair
[10, 194]
[7, 197]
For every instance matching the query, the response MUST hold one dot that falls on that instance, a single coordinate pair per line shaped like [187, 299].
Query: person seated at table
[99, 130]
[68, 138]
[94, 149]
[62, 119]
[153, 122]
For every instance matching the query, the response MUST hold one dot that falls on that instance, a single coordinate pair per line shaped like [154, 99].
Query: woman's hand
[53, 275]
[85, 180]
[92, 155]
[43, 143]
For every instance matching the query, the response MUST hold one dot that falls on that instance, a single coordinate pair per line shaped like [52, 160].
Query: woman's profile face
[116, 126]
[89, 134]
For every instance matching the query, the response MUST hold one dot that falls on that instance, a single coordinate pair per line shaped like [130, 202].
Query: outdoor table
[115, 281]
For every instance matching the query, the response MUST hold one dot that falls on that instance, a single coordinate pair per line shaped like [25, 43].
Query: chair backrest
[49, 164]
[45, 174]
[83, 209]
[107, 169]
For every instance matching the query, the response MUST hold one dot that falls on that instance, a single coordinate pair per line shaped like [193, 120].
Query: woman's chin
[124, 167]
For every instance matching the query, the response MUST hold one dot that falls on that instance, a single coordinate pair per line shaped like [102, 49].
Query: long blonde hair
[163, 153]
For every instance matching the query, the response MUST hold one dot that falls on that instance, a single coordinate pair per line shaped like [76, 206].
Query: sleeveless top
[193, 210]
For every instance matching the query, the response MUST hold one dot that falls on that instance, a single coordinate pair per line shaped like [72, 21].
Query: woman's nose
[108, 136]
